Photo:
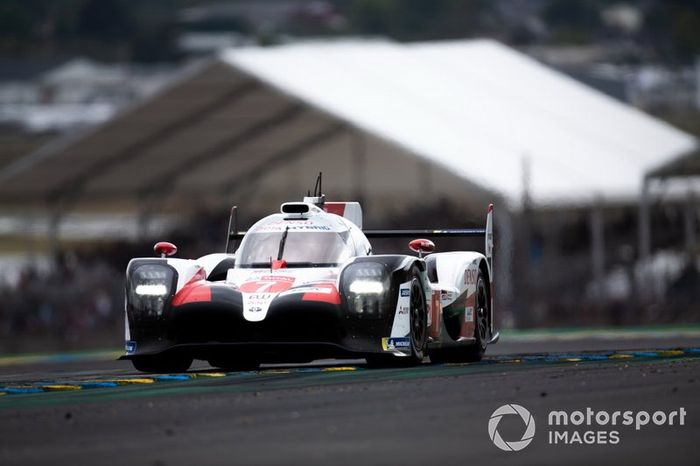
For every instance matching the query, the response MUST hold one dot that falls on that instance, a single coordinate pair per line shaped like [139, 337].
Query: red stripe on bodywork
[337, 208]
[331, 297]
[194, 291]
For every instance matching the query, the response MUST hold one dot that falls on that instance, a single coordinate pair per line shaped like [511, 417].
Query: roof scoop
[295, 208]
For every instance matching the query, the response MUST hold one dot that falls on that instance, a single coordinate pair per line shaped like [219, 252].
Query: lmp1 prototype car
[304, 285]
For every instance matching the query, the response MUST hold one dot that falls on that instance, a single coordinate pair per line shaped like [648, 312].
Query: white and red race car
[304, 285]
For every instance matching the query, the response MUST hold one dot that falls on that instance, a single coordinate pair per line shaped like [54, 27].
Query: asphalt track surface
[91, 409]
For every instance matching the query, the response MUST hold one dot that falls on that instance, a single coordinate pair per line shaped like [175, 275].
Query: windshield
[298, 248]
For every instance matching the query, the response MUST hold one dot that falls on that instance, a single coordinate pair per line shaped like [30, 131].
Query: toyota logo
[527, 418]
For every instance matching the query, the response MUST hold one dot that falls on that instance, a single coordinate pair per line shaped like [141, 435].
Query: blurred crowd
[78, 302]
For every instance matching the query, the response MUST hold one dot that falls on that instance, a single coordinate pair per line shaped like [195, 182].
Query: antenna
[318, 190]
[318, 199]
[232, 223]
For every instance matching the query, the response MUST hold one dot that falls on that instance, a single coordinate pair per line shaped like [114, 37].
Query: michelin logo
[130, 347]
[389, 344]
[405, 292]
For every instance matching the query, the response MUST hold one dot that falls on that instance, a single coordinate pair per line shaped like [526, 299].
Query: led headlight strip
[366, 286]
[151, 285]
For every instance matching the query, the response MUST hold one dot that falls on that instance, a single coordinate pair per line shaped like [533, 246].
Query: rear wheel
[475, 351]
[162, 363]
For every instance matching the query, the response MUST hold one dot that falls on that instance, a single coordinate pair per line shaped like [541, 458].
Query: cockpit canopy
[319, 241]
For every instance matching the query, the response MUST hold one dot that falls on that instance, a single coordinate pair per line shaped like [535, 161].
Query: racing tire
[418, 315]
[482, 312]
[160, 364]
[475, 351]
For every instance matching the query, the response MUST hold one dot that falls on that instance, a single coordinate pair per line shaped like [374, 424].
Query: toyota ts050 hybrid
[303, 285]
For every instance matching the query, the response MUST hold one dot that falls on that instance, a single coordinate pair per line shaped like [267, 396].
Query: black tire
[418, 318]
[482, 315]
[418, 313]
[482, 312]
[161, 364]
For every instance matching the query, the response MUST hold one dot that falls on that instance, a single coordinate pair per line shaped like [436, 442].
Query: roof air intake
[295, 208]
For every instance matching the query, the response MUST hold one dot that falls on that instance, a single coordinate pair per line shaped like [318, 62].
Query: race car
[303, 285]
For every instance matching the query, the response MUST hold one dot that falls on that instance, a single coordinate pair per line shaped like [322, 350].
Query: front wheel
[418, 329]
[418, 319]
[161, 363]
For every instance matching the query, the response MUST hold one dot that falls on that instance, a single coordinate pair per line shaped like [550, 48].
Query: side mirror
[421, 246]
[165, 249]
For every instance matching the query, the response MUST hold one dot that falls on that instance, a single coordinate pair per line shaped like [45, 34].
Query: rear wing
[465, 232]
[487, 233]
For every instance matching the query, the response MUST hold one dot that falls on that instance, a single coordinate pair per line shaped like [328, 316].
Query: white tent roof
[393, 124]
[479, 109]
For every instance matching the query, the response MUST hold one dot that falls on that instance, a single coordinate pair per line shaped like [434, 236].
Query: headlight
[158, 289]
[366, 286]
[150, 288]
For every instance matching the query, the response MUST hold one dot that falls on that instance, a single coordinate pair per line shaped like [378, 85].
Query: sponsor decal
[398, 343]
[268, 284]
[277, 278]
[401, 326]
[403, 309]
[297, 226]
[259, 297]
[469, 314]
[130, 347]
[470, 276]
[256, 305]
[446, 295]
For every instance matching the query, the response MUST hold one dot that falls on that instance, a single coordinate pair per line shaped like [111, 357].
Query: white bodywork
[457, 279]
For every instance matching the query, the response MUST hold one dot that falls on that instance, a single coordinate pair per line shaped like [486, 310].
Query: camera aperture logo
[527, 418]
